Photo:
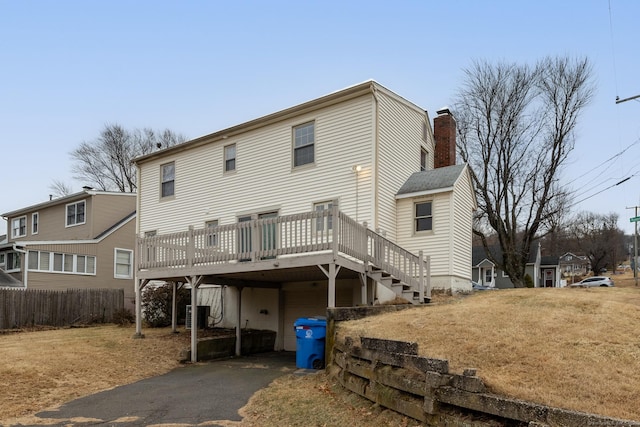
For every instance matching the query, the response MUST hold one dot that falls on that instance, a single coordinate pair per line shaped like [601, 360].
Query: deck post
[335, 230]
[194, 319]
[332, 285]
[191, 247]
[139, 286]
[363, 288]
[421, 275]
[174, 308]
[239, 323]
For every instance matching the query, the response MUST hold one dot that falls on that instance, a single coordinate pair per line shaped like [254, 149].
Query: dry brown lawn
[573, 348]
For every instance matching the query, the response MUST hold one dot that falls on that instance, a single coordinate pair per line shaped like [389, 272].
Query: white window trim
[293, 145]
[35, 223]
[66, 218]
[235, 158]
[172, 195]
[414, 217]
[13, 236]
[115, 266]
[74, 269]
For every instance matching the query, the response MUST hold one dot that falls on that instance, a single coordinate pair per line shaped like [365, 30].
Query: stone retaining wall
[392, 374]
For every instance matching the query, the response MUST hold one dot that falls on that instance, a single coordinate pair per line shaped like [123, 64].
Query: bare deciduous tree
[599, 238]
[105, 163]
[515, 130]
[60, 189]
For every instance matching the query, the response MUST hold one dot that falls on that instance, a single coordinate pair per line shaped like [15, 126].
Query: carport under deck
[313, 246]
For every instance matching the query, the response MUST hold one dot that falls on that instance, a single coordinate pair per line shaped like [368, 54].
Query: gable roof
[429, 181]
[351, 92]
[479, 253]
[65, 199]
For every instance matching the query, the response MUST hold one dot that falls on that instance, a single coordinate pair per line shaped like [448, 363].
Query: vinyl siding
[264, 179]
[101, 212]
[436, 244]
[463, 206]
[400, 139]
[104, 277]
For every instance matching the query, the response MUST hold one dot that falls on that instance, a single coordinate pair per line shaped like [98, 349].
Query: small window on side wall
[424, 157]
[35, 219]
[168, 179]
[423, 219]
[303, 144]
[230, 158]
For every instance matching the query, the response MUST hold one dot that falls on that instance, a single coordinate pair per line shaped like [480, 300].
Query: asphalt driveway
[202, 393]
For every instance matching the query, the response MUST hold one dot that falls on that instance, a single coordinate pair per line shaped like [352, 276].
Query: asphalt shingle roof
[431, 179]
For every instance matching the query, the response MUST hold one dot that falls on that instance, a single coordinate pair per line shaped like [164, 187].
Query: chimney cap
[444, 110]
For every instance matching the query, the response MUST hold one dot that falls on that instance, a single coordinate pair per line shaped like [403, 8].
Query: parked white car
[594, 281]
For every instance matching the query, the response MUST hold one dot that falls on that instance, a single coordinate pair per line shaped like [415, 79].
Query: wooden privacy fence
[30, 307]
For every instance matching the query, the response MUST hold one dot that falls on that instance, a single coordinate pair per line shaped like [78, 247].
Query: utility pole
[635, 243]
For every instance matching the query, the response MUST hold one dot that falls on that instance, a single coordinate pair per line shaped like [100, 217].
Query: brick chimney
[444, 134]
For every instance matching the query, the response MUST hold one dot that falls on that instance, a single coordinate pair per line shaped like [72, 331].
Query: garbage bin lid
[311, 321]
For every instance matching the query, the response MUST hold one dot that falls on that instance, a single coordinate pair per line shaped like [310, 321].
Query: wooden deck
[281, 249]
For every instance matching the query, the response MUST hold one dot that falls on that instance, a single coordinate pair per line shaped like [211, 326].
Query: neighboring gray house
[487, 273]
[572, 265]
[543, 270]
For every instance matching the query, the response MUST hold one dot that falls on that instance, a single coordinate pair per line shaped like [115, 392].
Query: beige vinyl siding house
[75, 241]
[296, 211]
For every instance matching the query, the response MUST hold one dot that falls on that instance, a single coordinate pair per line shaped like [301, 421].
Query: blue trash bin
[310, 336]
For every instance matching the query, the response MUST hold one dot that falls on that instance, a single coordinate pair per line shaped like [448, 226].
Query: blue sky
[69, 67]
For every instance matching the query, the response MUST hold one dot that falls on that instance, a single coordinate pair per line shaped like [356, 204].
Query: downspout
[26, 264]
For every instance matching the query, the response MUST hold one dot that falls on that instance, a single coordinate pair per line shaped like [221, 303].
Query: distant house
[572, 266]
[348, 199]
[84, 240]
[544, 271]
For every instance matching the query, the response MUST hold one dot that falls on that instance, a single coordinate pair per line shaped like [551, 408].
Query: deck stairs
[400, 288]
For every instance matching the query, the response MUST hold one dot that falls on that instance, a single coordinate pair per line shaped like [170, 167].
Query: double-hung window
[230, 158]
[424, 157]
[168, 179]
[19, 227]
[303, 144]
[35, 219]
[423, 219]
[76, 213]
[123, 264]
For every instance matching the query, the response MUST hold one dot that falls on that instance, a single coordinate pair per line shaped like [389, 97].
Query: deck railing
[268, 238]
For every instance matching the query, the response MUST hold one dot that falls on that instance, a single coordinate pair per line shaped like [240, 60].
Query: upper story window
[2, 260]
[168, 178]
[76, 213]
[424, 157]
[303, 144]
[19, 227]
[423, 217]
[35, 219]
[230, 158]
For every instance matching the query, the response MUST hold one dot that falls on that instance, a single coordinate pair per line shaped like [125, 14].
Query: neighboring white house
[328, 203]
